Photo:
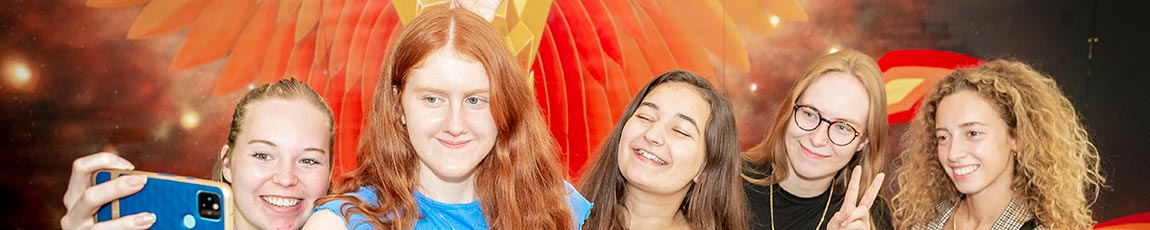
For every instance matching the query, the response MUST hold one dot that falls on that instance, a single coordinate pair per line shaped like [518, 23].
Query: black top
[797, 213]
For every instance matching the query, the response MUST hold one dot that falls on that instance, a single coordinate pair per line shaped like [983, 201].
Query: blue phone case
[175, 200]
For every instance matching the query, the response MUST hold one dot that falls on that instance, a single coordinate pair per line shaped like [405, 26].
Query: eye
[809, 114]
[309, 161]
[475, 100]
[643, 117]
[941, 137]
[842, 127]
[974, 133]
[263, 156]
[682, 132]
[432, 100]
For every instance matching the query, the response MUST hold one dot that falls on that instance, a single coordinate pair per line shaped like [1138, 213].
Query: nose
[819, 136]
[285, 175]
[955, 150]
[655, 135]
[455, 124]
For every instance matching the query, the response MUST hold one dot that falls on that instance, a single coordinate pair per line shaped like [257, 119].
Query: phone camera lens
[209, 204]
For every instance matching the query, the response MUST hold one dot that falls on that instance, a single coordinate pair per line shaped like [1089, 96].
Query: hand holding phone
[82, 199]
[177, 202]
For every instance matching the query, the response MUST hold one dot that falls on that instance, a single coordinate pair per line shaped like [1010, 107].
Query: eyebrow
[848, 120]
[679, 115]
[441, 91]
[964, 125]
[274, 145]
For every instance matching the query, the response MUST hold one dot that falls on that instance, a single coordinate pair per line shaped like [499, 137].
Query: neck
[805, 187]
[242, 223]
[446, 191]
[984, 207]
[654, 211]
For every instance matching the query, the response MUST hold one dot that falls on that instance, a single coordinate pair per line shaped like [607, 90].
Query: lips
[812, 154]
[281, 202]
[453, 144]
[650, 157]
[961, 172]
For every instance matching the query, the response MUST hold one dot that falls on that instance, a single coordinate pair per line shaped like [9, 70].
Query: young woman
[277, 160]
[832, 120]
[672, 162]
[997, 147]
[455, 140]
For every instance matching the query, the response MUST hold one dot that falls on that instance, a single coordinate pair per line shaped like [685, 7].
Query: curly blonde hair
[1056, 165]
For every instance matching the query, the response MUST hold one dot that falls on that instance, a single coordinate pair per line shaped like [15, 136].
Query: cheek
[482, 122]
[317, 184]
[793, 132]
[846, 151]
[690, 155]
[247, 176]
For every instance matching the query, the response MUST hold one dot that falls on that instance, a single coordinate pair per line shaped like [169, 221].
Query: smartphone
[179, 202]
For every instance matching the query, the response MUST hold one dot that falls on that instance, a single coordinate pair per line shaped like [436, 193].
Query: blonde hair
[772, 150]
[1055, 164]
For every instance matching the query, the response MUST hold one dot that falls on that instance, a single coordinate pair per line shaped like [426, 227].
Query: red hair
[519, 183]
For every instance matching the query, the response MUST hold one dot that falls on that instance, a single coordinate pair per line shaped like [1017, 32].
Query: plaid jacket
[1013, 218]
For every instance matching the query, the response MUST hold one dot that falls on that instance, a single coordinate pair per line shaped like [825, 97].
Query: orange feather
[214, 33]
[160, 17]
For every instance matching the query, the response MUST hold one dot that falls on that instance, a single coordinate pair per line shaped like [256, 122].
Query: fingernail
[136, 180]
[145, 220]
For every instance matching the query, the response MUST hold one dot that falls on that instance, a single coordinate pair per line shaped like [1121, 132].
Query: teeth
[965, 170]
[652, 157]
[280, 201]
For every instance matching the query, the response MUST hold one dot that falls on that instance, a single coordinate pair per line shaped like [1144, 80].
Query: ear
[226, 164]
[1013, 142]
[395, 93]
[863, 145]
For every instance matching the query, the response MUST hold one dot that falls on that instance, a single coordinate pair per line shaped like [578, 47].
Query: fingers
[852, 195]
[82, 169]
[872, 192]
[136, 221]
[836, 220]
[857, 225]
[81, 212]
[858, 215]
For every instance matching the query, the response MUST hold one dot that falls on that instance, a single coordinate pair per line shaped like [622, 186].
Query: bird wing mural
[587, 57]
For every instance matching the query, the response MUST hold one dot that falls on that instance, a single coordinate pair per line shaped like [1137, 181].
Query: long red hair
[519, 184]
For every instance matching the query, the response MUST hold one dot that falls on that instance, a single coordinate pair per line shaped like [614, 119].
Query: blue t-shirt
[438, 215]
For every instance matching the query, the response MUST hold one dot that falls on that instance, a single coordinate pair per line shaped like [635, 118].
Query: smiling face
[837, 97]
[663, 144]
[974, 144]
[448, 116]
[280, 164]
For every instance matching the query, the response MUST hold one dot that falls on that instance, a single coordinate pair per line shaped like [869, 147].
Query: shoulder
[366, 194]
[325, 219]
[580, 207]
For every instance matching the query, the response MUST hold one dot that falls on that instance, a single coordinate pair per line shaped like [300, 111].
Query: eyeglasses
[840, 133]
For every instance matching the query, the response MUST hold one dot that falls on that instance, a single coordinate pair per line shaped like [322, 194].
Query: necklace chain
[821, 218]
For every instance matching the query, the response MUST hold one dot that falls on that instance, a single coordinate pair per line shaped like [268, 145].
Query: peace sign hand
[854, 215]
